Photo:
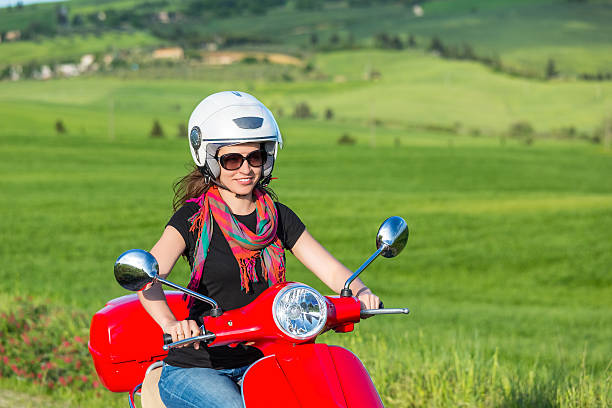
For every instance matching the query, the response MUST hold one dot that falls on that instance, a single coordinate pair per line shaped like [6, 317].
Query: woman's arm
[327, 268]
[167, 251]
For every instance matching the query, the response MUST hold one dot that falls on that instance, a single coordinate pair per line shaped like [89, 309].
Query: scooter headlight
[299, 311]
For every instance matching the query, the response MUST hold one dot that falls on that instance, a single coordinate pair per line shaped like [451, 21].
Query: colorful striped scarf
[246, 246]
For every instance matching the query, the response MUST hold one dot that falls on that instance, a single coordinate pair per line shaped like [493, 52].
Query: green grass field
[507, 270]
[415, 90]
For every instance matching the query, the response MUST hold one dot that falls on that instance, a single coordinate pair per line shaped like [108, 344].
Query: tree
[468, 52]
[411, 41]
[334, 39]
[329, 114]
[182, 130]
[551, 70]
[77, 20]
[346, 139]
[437, 46]
[62, 15]
[59, 126]
[302, 111]
[157, 130]
[314, 39]
[382, 40]
[396, 43]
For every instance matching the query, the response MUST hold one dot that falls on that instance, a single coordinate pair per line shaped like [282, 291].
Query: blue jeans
[201, 387]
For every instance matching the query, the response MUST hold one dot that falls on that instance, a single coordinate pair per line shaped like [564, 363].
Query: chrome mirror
[390, 240]
[392, 236]
[136, 268]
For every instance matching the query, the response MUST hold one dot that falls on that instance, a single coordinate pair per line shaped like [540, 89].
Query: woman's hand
[368, 299]
[180, 330]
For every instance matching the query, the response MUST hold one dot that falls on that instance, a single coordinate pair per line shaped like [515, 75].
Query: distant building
[163, 17]
[44, 73]
[169, 53]
[86, 62]
[13, 35]
[16, 71]
[67, 70]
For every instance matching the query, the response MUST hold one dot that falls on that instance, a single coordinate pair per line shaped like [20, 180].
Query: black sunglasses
[233, 161]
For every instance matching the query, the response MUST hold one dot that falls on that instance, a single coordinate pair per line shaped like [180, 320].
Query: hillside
[411, 90]
[522, 35]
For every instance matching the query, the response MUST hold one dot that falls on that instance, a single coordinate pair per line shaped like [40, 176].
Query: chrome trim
[320, 300]
[153, 366]
[245, 373]
[136, 268]
[190, 292]
[364, 265]
[390, 240]
[372, 312]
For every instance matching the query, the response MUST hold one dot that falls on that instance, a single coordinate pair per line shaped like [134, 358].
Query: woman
[234, 237]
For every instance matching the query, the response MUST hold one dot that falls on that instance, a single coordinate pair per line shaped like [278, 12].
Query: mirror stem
[346, 292]
[190, 293]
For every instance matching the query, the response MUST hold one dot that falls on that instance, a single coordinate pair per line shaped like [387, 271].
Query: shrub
[411, 41]
[603, 133]
[437, 46]
[46, 345]
[551, 70]
[59, 126]
[302, 111]
[521, 129]
[346, 139]
[182, 130]
[157, 130]
[314, 39]
[329, 114]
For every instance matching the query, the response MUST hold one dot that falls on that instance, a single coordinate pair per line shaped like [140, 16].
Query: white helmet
[229, 118]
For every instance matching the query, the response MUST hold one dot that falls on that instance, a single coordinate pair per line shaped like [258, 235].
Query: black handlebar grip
[381, 305]
[167, 338]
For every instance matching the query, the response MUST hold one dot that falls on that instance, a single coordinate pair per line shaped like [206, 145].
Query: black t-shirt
[221, 282]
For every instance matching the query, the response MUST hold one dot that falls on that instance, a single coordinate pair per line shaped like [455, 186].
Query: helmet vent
[248, 122]
[236, 93]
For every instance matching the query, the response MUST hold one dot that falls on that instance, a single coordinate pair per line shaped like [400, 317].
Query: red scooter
[283, 322]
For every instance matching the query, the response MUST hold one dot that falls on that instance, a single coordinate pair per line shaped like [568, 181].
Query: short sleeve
[290, 227]
[180, 221]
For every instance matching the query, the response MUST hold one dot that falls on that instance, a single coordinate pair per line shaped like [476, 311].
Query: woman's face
[243, 180]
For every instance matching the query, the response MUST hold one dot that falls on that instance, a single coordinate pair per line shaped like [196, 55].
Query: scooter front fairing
[310, 375]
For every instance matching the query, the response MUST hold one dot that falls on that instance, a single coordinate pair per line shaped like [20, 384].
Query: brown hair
[194, 185]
